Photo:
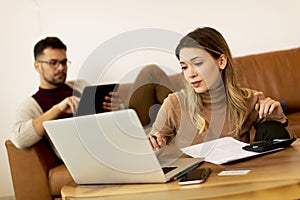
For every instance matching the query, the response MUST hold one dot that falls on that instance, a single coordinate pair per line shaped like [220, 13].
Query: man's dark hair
[48, 42]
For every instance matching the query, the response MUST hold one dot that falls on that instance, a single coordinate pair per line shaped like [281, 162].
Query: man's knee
[149, 69]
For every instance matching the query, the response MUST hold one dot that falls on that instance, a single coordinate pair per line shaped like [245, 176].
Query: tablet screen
[92, 98]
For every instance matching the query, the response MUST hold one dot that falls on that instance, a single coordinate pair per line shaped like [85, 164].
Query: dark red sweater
[47, 98]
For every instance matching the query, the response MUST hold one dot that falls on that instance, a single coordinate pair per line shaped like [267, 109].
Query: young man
[55, 97]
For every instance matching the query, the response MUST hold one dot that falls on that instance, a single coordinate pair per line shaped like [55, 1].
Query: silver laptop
[112, 147]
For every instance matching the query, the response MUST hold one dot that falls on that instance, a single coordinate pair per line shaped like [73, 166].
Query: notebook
[112, 147]
[92, 98]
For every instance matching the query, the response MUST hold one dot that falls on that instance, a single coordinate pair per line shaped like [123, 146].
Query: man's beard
[56, 82]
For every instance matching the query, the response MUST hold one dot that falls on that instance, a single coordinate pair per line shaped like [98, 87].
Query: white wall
[249, 27]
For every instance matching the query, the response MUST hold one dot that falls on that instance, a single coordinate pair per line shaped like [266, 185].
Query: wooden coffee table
[273, 176]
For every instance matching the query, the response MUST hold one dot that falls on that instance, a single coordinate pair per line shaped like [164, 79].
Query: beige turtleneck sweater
[173, 119]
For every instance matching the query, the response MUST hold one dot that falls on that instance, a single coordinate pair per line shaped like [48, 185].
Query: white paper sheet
[220, 151]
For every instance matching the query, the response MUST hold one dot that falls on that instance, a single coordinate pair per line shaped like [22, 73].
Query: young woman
[213, 105]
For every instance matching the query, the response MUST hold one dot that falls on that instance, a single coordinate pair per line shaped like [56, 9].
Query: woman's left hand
[268, 108]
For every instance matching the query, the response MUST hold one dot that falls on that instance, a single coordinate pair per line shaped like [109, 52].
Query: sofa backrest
[276, 73]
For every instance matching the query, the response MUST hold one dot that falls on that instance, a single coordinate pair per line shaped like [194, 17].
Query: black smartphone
[195, 176]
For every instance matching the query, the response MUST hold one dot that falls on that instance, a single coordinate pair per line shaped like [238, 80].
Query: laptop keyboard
[168, 169]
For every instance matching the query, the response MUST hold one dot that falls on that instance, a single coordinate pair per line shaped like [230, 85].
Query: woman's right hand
[157, 141]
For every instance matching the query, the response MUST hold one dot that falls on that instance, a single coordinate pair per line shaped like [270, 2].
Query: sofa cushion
[294, 123]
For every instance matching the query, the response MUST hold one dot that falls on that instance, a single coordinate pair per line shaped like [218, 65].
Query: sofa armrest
[29, 169]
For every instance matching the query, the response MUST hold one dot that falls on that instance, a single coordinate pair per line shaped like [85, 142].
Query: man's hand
[113, 102]
[69, 105]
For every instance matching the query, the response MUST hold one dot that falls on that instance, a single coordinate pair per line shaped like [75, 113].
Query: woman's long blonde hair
[214, 43]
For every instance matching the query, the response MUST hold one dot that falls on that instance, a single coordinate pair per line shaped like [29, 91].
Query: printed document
[221, 151]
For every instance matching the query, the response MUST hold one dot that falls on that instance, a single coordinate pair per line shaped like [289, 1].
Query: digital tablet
[92, 98]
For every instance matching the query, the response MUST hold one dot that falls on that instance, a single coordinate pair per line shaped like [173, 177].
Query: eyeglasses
[55, 63]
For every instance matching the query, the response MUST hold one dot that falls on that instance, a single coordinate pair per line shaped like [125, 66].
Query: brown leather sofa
[277, 74]
[38, 174]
